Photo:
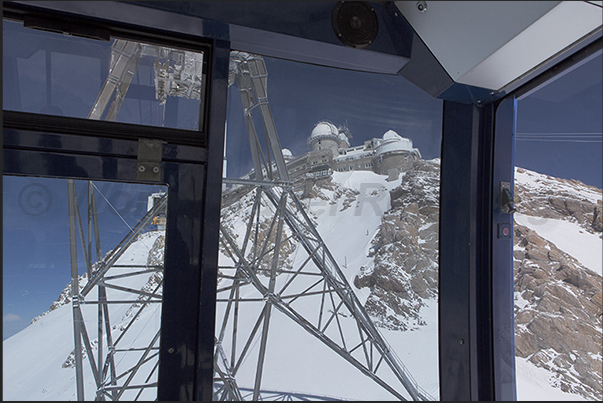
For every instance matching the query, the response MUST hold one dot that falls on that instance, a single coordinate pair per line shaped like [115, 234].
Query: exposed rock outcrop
[405, 251]
[557, 313]
[545, 196]
[558, 307]
[558, 301]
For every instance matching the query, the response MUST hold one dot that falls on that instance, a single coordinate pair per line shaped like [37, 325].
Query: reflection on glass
[328, 266]
[557, 244]
[120, 80]
[85, 260]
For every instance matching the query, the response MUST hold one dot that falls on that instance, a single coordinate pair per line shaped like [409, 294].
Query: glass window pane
[120, 80]
[558, 238]
[328, 265]
[109, 237]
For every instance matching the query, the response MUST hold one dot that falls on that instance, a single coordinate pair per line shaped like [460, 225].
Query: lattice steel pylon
[177, 73]
[258, 274]
[117, 302]
[258, 278]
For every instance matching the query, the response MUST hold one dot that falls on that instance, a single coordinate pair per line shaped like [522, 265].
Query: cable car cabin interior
[225, 138]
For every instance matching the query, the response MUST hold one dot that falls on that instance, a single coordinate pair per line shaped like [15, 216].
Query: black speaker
[355, 23]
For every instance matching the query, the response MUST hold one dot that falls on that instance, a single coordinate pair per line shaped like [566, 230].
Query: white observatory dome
[392, 142]
[287, 153]
[324, 129]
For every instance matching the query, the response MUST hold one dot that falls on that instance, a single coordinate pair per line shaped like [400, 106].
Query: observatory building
[331, 152]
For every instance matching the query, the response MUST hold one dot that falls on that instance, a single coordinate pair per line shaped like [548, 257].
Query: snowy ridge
[542, 184]
[568, 236]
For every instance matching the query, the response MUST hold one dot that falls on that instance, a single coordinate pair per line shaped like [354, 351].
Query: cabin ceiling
[491, 44]
[467, 51]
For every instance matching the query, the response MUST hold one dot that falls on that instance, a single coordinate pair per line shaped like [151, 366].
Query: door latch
[505, 199]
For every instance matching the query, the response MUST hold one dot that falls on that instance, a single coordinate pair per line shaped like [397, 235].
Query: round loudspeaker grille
[355, 23]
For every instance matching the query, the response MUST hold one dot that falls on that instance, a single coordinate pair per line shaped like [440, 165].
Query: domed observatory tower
[326, 136]
[395, 154]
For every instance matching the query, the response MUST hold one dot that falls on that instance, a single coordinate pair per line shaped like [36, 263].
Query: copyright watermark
[35, 199]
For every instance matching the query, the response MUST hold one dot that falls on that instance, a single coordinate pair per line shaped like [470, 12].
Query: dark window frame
[105, 30]
[192, 170]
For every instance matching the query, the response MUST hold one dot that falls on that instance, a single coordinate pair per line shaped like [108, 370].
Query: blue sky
[559, 127]
[35, 227]
[300, 95]
[35, 261]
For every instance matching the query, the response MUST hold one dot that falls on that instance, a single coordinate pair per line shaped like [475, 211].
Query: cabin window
[558, 154]
[355, 205]
[86, 217]
[118, 80]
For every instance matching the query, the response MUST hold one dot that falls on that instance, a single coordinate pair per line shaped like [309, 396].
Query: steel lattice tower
[316, 295]
[112, 375]
[254, 279]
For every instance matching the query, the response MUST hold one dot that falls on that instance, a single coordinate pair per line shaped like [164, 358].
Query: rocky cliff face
[558, 301]
[557, 314]
[545, 196]
[405, 251]
[558, 305]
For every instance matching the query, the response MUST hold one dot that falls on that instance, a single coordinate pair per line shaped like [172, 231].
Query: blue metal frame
[211, 220]
[454, 319]
[503, 329]
[301, 30]
[476, 323]
[463, 332]
[54, 146]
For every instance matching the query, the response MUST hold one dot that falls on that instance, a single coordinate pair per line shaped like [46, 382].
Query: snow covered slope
[383, 234]
[38, 362]
[568, 236]
[557, 270]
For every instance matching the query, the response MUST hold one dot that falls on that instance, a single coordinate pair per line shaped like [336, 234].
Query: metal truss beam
[104, 367]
